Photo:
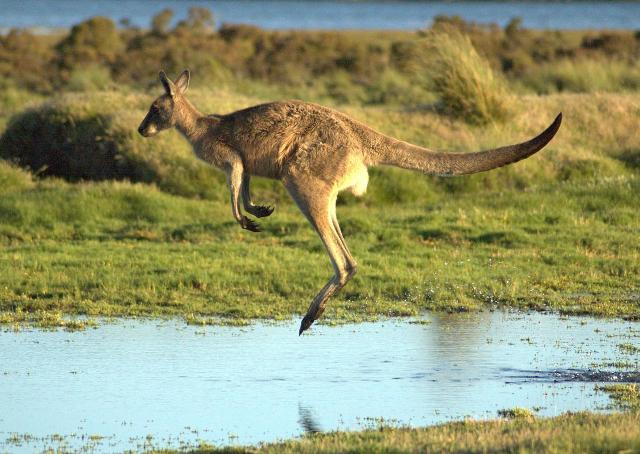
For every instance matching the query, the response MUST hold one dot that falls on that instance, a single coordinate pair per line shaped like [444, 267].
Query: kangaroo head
[164, 110]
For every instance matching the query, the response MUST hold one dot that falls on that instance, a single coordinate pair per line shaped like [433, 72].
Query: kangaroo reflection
[307, 420]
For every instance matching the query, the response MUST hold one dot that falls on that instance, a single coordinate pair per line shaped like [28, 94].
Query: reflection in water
[128, 379]
[456, 337]
[308, 423]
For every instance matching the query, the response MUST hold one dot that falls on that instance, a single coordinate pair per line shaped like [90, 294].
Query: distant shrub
[611, 44]
[95, 40]
[199, 20]
[161, 21]
[78, 137]
[24, 59]
[233, 32]
[464, 81]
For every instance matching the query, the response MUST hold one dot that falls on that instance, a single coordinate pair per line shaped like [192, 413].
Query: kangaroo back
[407, 156]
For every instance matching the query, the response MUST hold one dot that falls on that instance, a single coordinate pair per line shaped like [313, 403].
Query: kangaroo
[316, 152]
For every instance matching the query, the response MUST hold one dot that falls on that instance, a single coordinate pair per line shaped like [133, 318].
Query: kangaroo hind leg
[317, 203]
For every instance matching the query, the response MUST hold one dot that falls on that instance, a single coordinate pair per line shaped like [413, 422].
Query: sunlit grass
[568, 433]
[556, 231]
[120, 249]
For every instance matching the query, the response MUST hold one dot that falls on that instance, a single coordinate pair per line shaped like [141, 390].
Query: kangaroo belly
[356, 181]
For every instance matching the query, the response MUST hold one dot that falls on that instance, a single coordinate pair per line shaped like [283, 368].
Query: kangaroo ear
[182, 82]
[169, 87]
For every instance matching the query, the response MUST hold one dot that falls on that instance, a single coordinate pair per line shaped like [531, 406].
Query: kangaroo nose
[141, 131]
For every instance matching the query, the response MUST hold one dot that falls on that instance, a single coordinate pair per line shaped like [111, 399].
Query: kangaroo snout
[147, 130]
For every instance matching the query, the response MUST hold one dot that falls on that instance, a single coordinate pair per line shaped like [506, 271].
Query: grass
[114, 249]
[624, 396]
[466, 84]
[568, 433]
[557, 231]
[583, 76]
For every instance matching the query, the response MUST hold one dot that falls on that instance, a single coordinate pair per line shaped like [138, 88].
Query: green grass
[583, 75]
[556, 231]
[624, 396]
[568, 433]
[119, 249]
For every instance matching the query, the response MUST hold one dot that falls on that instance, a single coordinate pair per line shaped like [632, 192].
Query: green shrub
[80, 137]
[95, 40]
[160, 22]
[464, 81]
[24, 60]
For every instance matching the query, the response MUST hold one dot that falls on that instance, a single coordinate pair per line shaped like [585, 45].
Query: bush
[78, 137]
[464, 82]
[24, 59]
[95, 40]
[161, 21]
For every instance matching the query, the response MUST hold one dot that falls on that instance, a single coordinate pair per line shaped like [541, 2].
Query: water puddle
[142, 384]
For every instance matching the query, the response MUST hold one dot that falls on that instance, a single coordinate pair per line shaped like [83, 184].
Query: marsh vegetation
[97, 221]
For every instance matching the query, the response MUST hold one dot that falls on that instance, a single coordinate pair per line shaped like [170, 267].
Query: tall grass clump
[463, 80]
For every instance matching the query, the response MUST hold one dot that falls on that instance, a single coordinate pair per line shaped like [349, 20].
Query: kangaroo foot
[261, 211]
[249, 224]
[313, 314]
[305, 324]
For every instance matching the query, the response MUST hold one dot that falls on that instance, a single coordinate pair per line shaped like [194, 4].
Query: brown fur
[316, 152]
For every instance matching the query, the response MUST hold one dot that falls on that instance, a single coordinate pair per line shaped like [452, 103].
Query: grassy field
[97, 221]
[558, 231]
[569, 433]
[120, 249]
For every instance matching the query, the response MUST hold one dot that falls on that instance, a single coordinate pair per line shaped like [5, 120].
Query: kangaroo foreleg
[258, 211]
[234, 171]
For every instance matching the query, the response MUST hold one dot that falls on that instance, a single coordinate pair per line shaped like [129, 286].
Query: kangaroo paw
[261, 211]
[249, 224]
[305, 324]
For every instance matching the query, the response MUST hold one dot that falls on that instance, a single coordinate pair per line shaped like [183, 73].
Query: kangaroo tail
[408, 156]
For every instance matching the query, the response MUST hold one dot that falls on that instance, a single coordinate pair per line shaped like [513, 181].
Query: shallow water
[330, 14]
[179, 384]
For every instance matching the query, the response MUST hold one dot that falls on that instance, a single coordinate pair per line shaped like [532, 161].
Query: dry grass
[569, 433]
[465, 83]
